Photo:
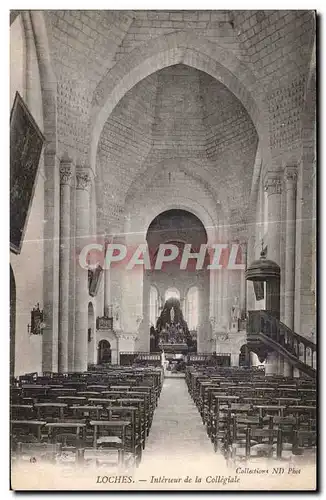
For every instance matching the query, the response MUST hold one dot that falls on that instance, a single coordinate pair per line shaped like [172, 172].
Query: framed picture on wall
[26, 143]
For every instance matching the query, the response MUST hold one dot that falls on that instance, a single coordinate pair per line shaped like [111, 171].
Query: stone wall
[28, 265]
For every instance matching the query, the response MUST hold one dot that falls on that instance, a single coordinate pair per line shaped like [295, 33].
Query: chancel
[172, 329]
[163, 239]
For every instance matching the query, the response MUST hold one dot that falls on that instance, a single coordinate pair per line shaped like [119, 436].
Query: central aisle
[178, 444]
[177, 426]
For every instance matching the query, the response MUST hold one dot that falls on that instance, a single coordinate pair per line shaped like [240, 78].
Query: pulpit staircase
[265, 333]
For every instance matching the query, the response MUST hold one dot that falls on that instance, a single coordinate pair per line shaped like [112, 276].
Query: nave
[163, 174]
[158, 429]
[177, 432]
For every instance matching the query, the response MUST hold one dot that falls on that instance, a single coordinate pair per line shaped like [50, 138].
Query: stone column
[72, 274]
[83, 184]
[107, 293]
[273, 186]
[107, 289]
[64, 263]
[51, 261]
[249, 285]
[290, 175]
[290, 186]
[225, 286]
[219, 284]
[272, 364]
[243, 284]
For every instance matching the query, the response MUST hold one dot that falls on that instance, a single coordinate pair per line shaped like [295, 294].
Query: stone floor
[177, 439]
[177, 426]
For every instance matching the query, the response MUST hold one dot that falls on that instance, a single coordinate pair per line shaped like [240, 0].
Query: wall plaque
[104, 323]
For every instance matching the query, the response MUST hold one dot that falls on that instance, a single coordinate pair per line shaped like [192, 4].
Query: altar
[174, 348]
[172, 331]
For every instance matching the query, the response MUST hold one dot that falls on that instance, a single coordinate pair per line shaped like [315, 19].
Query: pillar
[72, 275]
[51, 261]
[107, 290]
[272, 364]
[290, 186]
[143, 334]
[107, 293]
[235, 359]
[273, 186]
[250, 296]
[243, 284]
[64, 263]
[218, 272]
[83, 184]
[290, 175]
[225, 312]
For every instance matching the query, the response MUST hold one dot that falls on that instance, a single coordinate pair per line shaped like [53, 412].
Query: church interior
[187, 131]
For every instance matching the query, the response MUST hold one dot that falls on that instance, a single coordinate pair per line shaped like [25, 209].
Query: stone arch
[48, 78]
[140, 225]
[175, 48]
[172, 276]
[193, 169]
[171, 292]
[110, 337]
[104, 353]
[244, 356]
[209, 210]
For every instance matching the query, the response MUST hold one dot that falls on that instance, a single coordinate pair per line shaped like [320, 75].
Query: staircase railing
[298, 349]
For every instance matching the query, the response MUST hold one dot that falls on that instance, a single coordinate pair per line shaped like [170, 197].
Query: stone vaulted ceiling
[179, 114]
[182, 116]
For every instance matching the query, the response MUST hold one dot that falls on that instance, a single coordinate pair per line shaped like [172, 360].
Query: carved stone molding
[273, 183]
[222, 337]
[83, 179]
[290, 175]
[65, 173]
[127, 336]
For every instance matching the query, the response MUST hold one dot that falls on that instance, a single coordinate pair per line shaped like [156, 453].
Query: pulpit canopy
[263, 269]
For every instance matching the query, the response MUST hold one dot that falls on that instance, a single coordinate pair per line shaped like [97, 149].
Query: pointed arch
[175, 48]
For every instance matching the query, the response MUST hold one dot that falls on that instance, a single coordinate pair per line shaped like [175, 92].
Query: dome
[262, 269]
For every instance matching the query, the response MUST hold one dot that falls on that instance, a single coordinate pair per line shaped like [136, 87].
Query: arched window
[192, 308]
[172, 293]
[153, 305]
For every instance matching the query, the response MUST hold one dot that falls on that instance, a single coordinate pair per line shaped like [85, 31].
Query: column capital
[273, 182]
[84, 178]
[290, 174]
[66, 170]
